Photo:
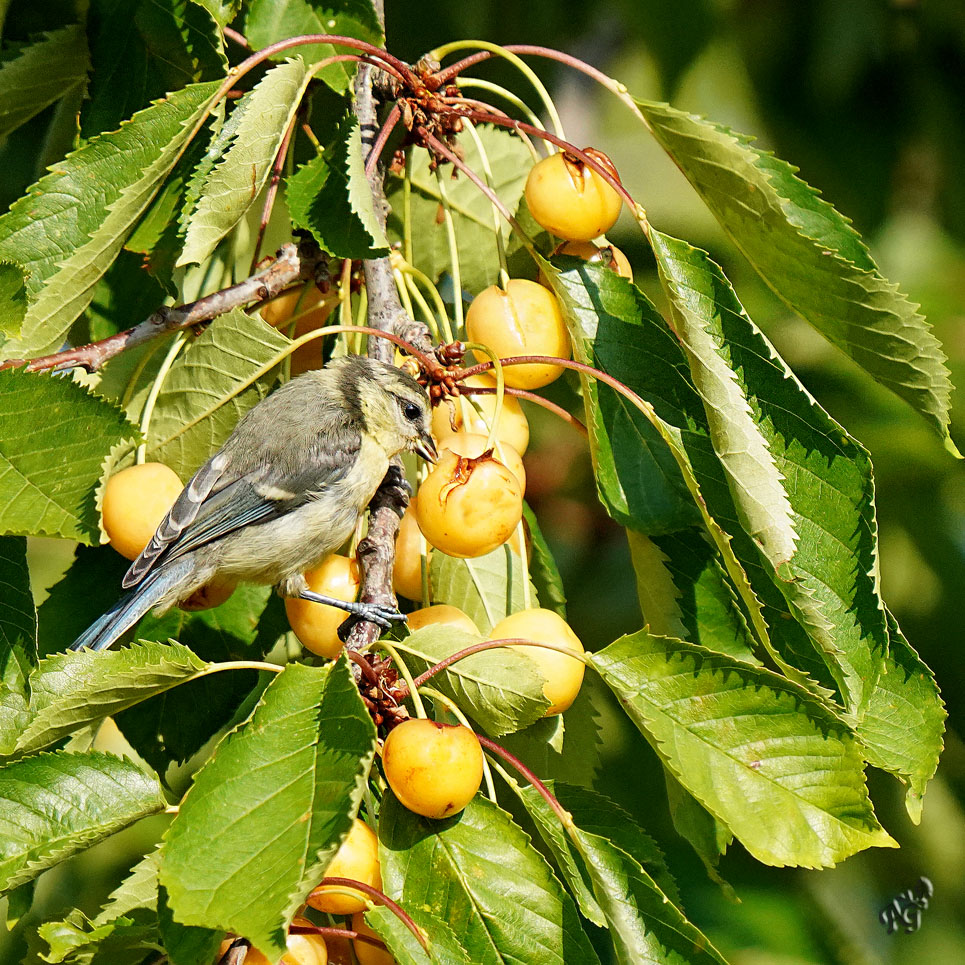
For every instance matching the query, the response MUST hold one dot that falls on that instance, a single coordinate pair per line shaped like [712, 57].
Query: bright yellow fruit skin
[304, 949]
[468, 507]
[473, 445]
[356, 858]
[442, 614]
[407, 569]
[525, 319]
[513, 426]
[315, 624]
[136, 499]
[434, 769]
[569, 198]
[563, 674]
[366, 953]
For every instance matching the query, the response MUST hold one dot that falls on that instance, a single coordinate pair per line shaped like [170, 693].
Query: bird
[284, 491]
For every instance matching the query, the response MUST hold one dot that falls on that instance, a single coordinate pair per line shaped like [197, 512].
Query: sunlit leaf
[263, 118]
[265, 815]
[811, 256]
[67, 230]
[53, 805]
[406, 949]
[502, 690]
[759, 752]
[41, 415]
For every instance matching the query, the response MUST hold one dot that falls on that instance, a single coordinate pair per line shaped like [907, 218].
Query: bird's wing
[212, 505]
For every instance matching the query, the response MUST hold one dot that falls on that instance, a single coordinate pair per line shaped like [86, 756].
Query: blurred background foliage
[867, 97]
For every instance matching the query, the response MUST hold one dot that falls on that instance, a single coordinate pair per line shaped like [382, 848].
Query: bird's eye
[411, 411]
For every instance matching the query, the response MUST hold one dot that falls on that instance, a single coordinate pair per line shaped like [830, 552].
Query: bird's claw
[381, 616]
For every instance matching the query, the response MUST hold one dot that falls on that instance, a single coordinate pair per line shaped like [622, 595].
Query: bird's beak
[426, 447]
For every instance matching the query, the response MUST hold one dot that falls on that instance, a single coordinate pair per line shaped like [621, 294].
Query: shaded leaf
[151, 47]
[330, 197]
[259, 123]
[265, 815]
[126, 295]
[186, 944]
[543, 569]
[268, 21]
[468, 870]
[18, 616]
[501, 689]
[811, 256]
[174, 725]
[40, 73]
[210, 387]
[13, 298]
[40, 415]
[509, 160]
[759, 752]
[684, 592]
[54, 805]
[67, 230]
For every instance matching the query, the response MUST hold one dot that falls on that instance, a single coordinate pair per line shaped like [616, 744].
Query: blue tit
[282, 493]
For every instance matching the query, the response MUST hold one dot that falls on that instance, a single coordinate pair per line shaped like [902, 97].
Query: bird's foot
[381, 616]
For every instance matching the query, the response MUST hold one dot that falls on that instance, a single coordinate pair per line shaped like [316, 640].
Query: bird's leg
[383, 616]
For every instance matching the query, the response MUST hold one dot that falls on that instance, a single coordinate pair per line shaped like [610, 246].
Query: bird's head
[394, 406]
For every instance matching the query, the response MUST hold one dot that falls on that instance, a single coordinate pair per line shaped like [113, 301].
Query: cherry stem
[384, 133]
[529, 397]
[327, 931]
[481, 646]
[541, 788]
[382, 899]
[522, 127]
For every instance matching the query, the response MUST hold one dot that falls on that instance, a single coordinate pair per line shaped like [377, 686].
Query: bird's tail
[132, 606]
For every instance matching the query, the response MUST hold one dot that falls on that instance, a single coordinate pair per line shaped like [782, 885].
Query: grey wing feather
[206, 511]
[179, 517]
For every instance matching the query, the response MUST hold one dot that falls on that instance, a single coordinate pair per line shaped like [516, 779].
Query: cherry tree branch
[292, 264]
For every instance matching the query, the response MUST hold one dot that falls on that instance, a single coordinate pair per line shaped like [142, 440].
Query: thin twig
[293, 264]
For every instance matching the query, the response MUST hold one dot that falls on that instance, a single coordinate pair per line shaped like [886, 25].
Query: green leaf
[263, 118]
[759, 752]
[707, 836]
[18, 615]
[486, 588]
[141, 49]
[126, 295]
[684, 592]
[13, 298]
[174, 725]
[902, 729]
[19, 903]
[405, 948]
[268, 21]
[67, 230]
[543, 569]
[479, 872]
[54, 805]
[68, 691]
[502, 690]
[244, 861]
[801, 485]
[40, 415]
[210, 387]
[615, 327]
[509, 160]
[91, 584]
[186, 944]
[40, 73]
[222, 11]
[330, 197]
[811, 256]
